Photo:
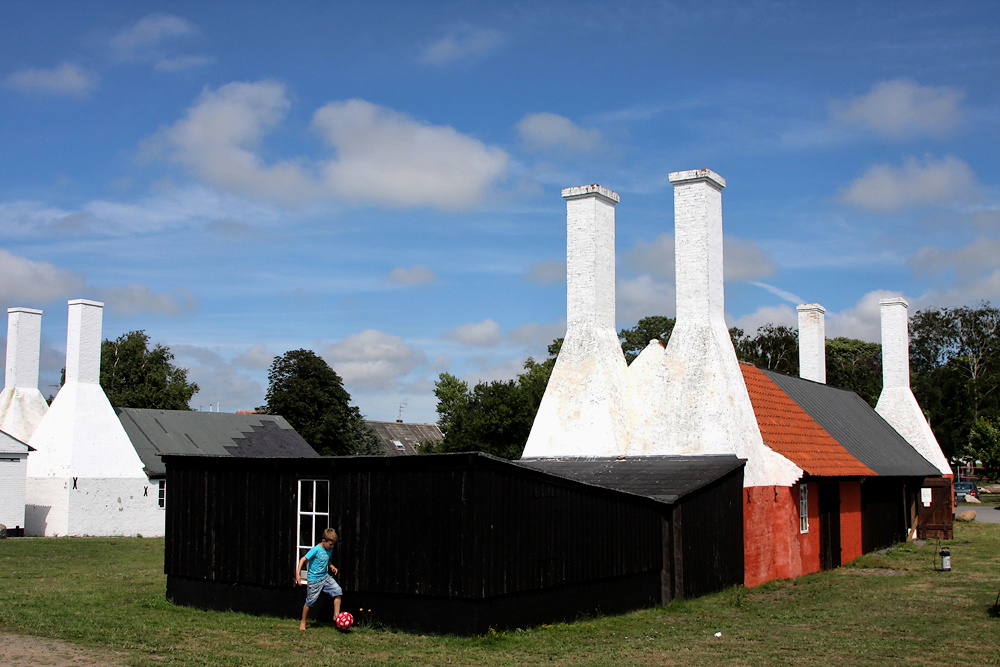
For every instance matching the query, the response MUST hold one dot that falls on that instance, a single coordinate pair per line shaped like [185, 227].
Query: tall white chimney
[22, 406]
[85, 477]
[587, 406]
[812, 342]
[698, 402]
[896, 403]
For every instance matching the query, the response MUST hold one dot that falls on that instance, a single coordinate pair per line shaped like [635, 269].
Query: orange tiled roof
[788, 430]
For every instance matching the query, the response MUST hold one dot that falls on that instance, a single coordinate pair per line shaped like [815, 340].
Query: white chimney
[812, 342]
[896, 403]
[85, 477]
[22, 406]
[587, 406]
[698, 402]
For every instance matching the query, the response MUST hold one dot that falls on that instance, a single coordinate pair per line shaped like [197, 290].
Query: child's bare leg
[305, 613]
[336, 607]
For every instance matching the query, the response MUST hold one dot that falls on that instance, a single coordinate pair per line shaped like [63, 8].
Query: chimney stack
[21, 404]
[812, 342]
[83, 341]
[587, 406]
[897, 404]
[698, 402]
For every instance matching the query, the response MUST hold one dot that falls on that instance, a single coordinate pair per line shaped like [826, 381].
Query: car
[963, 489]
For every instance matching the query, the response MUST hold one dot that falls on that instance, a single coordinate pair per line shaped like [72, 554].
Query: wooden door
[829, 525]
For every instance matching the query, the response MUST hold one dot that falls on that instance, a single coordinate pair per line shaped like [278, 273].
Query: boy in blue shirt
[319, 579]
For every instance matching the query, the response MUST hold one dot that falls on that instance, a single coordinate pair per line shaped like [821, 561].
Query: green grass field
[878, 610]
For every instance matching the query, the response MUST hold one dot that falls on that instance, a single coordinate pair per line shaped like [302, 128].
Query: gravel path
[23, 651]
[984, 513]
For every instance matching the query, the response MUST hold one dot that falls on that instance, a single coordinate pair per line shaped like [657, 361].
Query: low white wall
[46, 511]
[115, 506]
[13, 470]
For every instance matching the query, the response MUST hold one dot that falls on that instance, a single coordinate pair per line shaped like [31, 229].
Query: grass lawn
[878, 610]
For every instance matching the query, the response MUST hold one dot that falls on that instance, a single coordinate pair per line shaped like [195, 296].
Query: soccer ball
[344, 621]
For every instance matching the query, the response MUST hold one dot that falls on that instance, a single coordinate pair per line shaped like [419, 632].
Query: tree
[134, 376]
[856, 365]
[775, 348]
[636, 339]
[984, 442]
[304, 390]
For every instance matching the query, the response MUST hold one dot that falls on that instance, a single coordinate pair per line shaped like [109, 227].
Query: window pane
[305, 531]
[323, 496]
[306, 496]
[321, 522]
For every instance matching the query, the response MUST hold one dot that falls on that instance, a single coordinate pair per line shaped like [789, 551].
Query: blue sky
[380, 182]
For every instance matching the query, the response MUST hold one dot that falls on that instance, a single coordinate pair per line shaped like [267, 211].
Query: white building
[21, 404]
[13, 470]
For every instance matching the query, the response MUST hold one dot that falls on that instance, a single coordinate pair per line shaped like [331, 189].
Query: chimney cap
[810, 307]
[894, 301]
[19, 309]
[695, 175]
[591, 190]
[85, 302]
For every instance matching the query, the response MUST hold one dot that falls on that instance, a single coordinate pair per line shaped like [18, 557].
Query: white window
[399, 445]
[314, 512]
[161, 495]
[803, 508]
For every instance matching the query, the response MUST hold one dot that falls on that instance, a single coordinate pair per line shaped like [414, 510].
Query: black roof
[856, 426]
[155, 432]
[663, 478]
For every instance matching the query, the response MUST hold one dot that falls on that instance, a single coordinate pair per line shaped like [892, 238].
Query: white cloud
[258, 356]
[488, 370]
[65, 79]
[218, 380]
[179, 63]
[862, 320]
[24, 281]
[373, 359]
[386, 157]
[552, 272]
[480, 334]
[415, 275]
[902, 108]
[542, 131]
[776, 315]
[982, 254]
[917, 183]
[382, 156]
[133, 299]
[460, 43]
[778, 292]
[744, 259]
[146, 40]
[643, 296]
[538, 335]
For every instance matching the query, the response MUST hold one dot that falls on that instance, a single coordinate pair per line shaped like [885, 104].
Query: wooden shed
[454, 543]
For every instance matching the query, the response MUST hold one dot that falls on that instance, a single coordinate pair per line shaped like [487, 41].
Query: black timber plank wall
[712, 536]
[482, 542]
[883, 513]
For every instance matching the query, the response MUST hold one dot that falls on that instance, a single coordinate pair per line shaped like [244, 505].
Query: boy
[319, 575]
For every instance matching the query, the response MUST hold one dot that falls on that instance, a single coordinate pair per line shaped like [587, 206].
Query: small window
[399, 445]
[314, 512]
[803, 508]
[161, 494]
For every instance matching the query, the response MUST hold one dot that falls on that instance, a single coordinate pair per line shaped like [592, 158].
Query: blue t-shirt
[319, 560]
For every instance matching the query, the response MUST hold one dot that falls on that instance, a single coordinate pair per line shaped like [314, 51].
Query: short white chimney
[85, 477]
[22, 406]
[812, 342]
[698, 402]
[896, 403]
[587, 406]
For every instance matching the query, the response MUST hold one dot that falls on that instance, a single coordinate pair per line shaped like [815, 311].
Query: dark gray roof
[663, 478]
[155, 432]
[400, 439]
[859, 429]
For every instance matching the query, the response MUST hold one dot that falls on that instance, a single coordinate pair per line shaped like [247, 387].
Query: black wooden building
[455, 543]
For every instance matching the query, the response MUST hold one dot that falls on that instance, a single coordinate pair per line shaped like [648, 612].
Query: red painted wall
[850, 521]
[774, 548]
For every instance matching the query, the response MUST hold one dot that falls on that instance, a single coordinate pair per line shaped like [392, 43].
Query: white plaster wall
[642, 372]
[587, 406]
[812, 342]
[22, 406]
[897, 404]
[701, 403]
[46, 511]
[12, 489]
[115, 506]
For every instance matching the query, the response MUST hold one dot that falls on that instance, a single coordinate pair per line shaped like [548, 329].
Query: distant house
[400, 439]
[13, 471]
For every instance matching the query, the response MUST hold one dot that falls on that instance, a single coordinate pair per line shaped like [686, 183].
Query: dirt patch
[22, 651]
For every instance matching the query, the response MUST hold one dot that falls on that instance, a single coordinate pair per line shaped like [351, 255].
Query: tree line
[954, 366]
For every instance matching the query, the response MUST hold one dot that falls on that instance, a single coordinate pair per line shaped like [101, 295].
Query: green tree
[775, 348]
[135, 376]
[452, 396]
[984, 442]
[304, 390]
[636, 339]
[856, 365]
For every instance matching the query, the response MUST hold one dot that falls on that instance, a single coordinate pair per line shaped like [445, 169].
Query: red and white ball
[344, 621]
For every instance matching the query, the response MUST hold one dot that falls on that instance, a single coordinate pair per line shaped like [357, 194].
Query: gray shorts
[326, 585]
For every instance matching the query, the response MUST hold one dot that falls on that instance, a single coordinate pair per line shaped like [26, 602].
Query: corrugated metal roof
[788, 430]
[400, 439]
[852, 422]
[155, 432]
[663, 478]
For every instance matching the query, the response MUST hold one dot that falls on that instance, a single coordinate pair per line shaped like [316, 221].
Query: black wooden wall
[883, 513]
[712, 532]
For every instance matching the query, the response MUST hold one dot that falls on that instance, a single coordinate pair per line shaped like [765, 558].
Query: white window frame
[803, 508]
[314, 513]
